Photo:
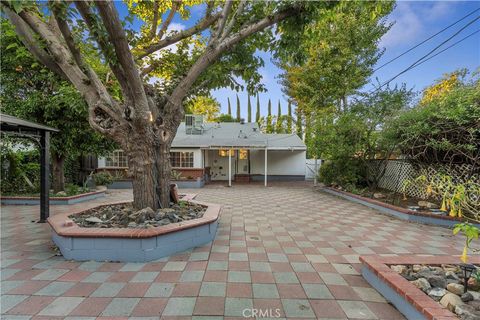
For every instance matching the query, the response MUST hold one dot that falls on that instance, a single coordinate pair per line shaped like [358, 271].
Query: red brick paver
[288, 237]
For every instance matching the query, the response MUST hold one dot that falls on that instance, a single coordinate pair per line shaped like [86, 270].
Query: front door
[219, 165]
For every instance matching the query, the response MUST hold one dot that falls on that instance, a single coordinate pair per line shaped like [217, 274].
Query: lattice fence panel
[397, 171]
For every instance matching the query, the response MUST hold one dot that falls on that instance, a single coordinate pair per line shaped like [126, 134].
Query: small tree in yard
[154, 80]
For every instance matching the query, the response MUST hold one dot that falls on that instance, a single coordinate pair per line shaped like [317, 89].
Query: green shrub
[102, 178]
[343, 172]
[20, 171]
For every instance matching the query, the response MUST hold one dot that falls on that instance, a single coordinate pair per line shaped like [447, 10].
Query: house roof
[235, 135]
[11, 123]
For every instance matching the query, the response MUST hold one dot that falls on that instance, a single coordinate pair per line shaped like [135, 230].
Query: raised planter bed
[133, 245]
[7, 200]
[398, 212]
[408, 299]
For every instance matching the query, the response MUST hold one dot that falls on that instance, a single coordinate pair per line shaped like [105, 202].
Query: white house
[228, 151]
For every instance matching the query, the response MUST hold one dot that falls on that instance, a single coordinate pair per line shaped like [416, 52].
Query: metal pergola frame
[41, 135]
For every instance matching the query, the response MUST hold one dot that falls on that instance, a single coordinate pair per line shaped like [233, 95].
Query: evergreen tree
[269, 128]
[229, 107]
[257, 116]
[279, 124]
[249, 110]
[238, 109]
[299, 124]
[289, 119]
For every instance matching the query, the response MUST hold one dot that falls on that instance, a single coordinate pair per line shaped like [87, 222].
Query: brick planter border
[397, 212]
[412, 302]
[6, 200]
[133, 245]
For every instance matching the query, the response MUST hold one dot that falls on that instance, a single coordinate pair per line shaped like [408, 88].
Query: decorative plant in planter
[175, 175]
[471, 233]
[102, 178]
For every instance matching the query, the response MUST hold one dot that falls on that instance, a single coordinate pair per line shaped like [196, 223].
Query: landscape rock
[61, 193]
[456, 288]
[475, 294]
[124, 216]
[94, 220]
[378, 195]
[466, 297]
[417, 267]
[437, 293]
[421, 284]
[467, 312]
[437, 281]
[451, 275]
[450, 301]
[399, 269]
[475, 304]
[426, 204]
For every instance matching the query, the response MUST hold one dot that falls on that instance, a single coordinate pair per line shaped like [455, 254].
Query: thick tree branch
[232, 21]
[199, 27]
[153, 30]
[118, 37]
[113, 110]
[89, 18]
[166, 23]
[227, 7]
[212, 54]
[28, 39]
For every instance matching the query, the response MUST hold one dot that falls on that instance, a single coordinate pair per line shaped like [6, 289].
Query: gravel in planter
[124, 216]
[444, 284]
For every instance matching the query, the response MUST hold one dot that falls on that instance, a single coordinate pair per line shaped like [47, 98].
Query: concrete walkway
[284, 251]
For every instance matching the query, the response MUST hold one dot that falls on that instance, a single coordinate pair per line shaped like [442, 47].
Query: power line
[419, 44]
[452, 45]
[426, 55]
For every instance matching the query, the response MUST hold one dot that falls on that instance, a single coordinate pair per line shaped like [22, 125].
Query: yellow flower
[459, 213]
[464, 256]
[444, 205]
[429, 190]
[452, 213]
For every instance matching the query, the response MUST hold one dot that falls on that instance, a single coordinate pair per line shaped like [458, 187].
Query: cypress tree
[299, 124]
[269, 117]
[279, 128]
[289, 119]
[257, 116]
[249, 110]
[229, 107]
[238, 109]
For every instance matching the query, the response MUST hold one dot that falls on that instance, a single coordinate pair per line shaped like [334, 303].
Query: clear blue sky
[413, 21]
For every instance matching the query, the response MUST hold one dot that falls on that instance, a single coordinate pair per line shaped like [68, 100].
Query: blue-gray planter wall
[134, 250]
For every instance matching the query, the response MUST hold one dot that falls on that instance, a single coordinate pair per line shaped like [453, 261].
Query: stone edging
[65, 227]
[398, 212]
[412, 302]
[13, 200]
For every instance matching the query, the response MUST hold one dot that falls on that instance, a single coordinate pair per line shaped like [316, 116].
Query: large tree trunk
[149, 166]
[58, 173]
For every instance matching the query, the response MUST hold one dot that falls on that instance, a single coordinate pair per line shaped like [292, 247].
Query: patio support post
[44, 175]
[266, 166]
[229, 167]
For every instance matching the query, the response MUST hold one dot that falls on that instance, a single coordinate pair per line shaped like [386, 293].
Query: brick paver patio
[285, 248]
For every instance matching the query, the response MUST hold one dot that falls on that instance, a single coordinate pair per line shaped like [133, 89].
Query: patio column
[44, 175]
[229, 167]
[266, 166]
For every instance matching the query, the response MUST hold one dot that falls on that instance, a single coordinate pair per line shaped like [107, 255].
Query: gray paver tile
[297, 308]
[234, 306]
[179, 307]
[61, 306]
[120, 307]
[213, 289]
[357, 310]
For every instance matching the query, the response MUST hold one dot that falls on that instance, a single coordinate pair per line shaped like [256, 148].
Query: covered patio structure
[40, 134]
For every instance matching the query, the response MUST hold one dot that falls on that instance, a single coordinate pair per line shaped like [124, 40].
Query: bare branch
[87, 15]
[227, 7]
[232, 21]
[166, 23]
[212, 54]
[199, 27]
[28, 39]
[118, 37]
[113, 109]
[153, 30]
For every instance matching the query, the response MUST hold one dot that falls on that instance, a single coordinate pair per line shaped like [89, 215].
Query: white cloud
[411, 21]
